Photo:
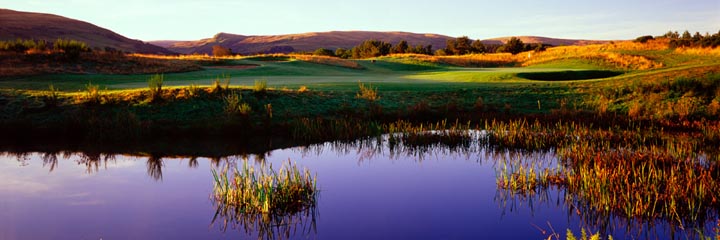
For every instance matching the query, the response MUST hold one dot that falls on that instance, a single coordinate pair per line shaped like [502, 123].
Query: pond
[368, 189]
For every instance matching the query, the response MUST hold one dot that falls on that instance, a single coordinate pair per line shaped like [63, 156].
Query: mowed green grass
[386, 75]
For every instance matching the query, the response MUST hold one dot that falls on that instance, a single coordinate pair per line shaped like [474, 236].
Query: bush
[644, 39]
[324, 52]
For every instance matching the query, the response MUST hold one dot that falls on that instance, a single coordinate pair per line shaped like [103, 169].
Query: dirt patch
[245, 66]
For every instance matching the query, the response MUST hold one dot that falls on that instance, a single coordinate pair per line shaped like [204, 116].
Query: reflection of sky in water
[366, 193]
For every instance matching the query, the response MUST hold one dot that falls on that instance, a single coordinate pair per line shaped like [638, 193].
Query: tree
[324, 52]
[220, 51]
[401, 47]
[462, 45]
[458, 46]
[644, 39]
[686, 35]
[514, 46]
[342, 53]
[477, 47]
[371, 48]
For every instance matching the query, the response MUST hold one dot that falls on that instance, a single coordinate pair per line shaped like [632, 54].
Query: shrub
[324, 52]
[644, 39]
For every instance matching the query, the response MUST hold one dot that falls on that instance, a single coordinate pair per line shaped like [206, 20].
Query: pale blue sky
[195, 19]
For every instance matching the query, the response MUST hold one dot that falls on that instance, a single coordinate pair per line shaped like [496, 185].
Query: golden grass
[595, 53]
[326, 60]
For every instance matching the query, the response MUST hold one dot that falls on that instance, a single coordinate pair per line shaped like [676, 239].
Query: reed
[260, 86]
[155, 84]
[264, 190]
[264, 201]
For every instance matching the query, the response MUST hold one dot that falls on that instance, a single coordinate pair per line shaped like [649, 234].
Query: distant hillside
[299, 42]
[332, 40]
[39, 26]
[545, 40]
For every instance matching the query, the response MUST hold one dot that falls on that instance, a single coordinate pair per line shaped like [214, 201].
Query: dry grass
[596, 53]
[325, 60]
[472, 60]
[14, 64]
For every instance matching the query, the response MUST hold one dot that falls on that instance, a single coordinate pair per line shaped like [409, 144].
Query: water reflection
[365, 151]
[266, 225]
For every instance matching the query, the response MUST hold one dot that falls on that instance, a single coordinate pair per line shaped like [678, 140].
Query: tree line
[686, 39]
[70, 48]
[455, 46]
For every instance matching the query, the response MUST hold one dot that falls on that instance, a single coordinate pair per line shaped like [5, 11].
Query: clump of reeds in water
[643, 173]
[265, 201]
[286, 191]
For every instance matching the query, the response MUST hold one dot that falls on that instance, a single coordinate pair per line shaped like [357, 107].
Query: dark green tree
[514, 46]
[371, 48]
[401, 47]
[477, 47]
[324, 52]
[342, 53]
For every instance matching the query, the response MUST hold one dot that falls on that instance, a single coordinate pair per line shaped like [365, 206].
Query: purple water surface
[366, 193]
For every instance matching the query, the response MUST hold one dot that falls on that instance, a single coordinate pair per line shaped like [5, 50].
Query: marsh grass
[260, 86]
[641, 173]
[193, 90]
[92, 93]
[264, 190]
[155, 84]
[264, 200]
[53, 95]
[367, 92]
[221, 83]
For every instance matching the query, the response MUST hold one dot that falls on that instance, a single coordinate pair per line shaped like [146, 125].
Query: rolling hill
[545, 40]
[298, 42]
[48, 27]
[332, 40]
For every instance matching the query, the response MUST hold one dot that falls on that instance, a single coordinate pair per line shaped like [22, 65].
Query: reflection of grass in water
[643, 174]
[264, 200]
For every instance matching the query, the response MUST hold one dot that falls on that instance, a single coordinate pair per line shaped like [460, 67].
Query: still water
[368, 190]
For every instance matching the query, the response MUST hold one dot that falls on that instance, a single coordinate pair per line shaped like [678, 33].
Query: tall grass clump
[221, 83]
[367, 92]
[155, 84]
[235, 105]
[193, 90]
[264, 190]
[92, 93]
[53, 96]
[264, 201]
[260, 86]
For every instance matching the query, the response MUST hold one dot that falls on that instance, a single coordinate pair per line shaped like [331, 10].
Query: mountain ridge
[50, 27]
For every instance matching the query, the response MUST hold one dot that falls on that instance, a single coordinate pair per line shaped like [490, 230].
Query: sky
[575, 19]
